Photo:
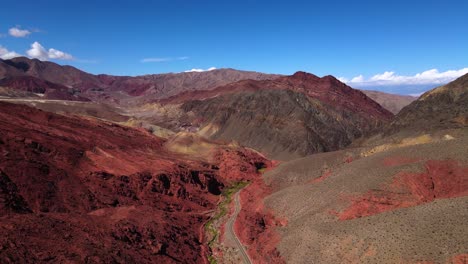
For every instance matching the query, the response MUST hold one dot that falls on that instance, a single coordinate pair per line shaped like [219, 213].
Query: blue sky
[342, 38]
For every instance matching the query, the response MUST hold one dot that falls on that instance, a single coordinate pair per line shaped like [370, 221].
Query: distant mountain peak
[301, 75]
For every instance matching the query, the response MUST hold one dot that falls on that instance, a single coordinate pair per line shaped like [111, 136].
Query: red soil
[245, 162]
[459, 259]
[83, 190]
[441, 179]
[256, 225]
[348, 159]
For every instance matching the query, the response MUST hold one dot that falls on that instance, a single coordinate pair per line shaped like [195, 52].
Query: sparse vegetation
[222, 210]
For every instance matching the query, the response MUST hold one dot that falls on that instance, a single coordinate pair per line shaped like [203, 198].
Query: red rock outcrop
[441, 179]
[83, 190]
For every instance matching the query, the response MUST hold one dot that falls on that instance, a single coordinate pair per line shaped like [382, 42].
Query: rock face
[289, 117]
[392, 102]
[83, 190]
[441, 108]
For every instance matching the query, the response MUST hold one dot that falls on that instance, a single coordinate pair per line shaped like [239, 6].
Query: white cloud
[343, 79]
[359, 78]
[163, 59]
[5, 54]
[201, 70]
[39, 52]
[155, 59]
[60, 55]
[416, 94]
[17, 32]
[390, 78]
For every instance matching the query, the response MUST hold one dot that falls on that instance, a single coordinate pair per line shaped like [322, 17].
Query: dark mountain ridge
[440, 108]
[289, 117]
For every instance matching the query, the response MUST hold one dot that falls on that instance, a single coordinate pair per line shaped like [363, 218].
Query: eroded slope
[280, 123]
[84, 190]
[406, 204]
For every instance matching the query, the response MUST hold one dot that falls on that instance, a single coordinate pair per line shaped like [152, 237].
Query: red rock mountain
[327, 89]
[138, 89]
[83, 190]
[289, 117]
[36, 85]
[107, 88]
[87, 191]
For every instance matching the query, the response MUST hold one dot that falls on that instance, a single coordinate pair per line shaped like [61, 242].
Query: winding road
[231, 232]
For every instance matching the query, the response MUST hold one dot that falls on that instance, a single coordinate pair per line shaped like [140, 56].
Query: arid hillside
[286, 118]
[403, 204]
[227, 166]
[55, 81]
[83, 190]
[392, 102]
[442, 107]
[399, 197]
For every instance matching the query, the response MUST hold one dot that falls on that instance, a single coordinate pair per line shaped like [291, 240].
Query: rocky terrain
[82, 190]
[442, 107]
[154, 168]
[301, 126]
[395, 198]
[286, 118]
[404, 205]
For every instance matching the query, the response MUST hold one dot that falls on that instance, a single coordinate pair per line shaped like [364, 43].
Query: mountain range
[226, 166]
[41, 76]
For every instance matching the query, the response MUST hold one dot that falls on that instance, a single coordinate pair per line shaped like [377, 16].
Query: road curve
[230, 230]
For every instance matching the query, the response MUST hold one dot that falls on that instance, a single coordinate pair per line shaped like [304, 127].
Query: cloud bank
[201, 70]
[5, 54]
[17, 32]
[163, 59]
[390, 78]
[39, 52]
